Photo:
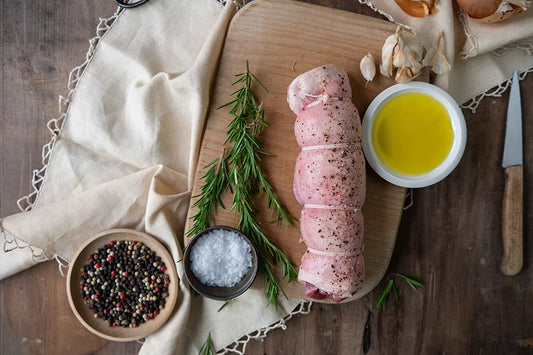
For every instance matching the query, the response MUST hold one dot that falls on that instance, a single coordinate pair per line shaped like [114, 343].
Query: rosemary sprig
[246, 147]
[216, 183]
[224, 305]
[240, 169]
[415, 285]
[207, 347]
[385, 294]
[391, 287]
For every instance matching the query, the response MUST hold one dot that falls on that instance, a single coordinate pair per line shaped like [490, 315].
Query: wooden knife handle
[512, 221]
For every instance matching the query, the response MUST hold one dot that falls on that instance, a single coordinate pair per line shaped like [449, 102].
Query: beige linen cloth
[123, 153]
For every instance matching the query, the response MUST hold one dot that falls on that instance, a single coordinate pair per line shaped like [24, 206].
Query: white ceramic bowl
[457, 123]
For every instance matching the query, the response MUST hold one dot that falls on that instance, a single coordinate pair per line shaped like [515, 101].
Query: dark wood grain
[40, 42]
[450, 238]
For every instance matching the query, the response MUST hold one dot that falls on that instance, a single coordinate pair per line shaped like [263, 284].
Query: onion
[416, 8]
[493, 10]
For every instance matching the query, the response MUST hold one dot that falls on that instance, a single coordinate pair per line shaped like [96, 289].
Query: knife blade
[512, 209]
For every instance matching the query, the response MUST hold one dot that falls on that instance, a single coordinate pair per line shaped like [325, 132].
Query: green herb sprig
[224, 305]
[391, 287]
[240, 170]
[207, 347]
[216, 183]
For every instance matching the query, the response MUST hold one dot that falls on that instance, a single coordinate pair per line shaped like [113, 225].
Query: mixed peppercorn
[124, 283]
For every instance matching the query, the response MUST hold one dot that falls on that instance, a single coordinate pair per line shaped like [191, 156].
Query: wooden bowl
[216, 292]
[85, 314]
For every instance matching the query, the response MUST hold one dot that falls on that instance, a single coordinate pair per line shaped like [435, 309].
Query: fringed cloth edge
[496, 91]
[239, 346]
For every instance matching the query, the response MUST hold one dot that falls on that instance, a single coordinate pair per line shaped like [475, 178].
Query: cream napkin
[484, 56]
[124, 155]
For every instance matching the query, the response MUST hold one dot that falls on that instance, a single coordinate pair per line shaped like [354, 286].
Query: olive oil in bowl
[412, 133]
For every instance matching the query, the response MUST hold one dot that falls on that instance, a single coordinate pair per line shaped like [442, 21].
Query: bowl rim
[144, 329]
[454, 155]
[193, 281]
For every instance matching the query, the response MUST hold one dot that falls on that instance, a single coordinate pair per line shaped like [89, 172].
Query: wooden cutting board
[282, 39]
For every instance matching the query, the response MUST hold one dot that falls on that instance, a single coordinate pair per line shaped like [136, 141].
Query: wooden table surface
[449, 238]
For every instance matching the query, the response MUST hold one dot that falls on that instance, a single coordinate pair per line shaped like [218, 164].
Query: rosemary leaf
[395, 292]
[224, 305]
[257, 81]
[415, 285]
[216, 183]
[207, 347]
[391, 286]
[384, 295]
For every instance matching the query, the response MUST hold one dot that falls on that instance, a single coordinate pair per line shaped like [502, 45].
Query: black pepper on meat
[124, 283]
[329, 183]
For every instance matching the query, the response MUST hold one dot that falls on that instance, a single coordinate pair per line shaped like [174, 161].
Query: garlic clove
[387, 53]
[399, 56]
[400, 59]
[408, 56]
[402, 56]
[436, 59]
[368, 67]
[407, 53]
[415, 64]
[403, 75]
[415, 46]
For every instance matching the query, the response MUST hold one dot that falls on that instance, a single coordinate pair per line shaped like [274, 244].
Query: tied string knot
[331, 207]
[331, 146]
[321, 99]
[349, 252]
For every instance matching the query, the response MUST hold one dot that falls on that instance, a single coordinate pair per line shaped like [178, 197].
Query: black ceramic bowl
[216, 292]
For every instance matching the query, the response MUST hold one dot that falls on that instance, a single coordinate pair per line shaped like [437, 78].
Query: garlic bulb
[493, 10]
[417, 8]
[368, 67]
[436, 59]
[402, 53]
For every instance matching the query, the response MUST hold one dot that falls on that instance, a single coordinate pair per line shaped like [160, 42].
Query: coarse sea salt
[220, 258]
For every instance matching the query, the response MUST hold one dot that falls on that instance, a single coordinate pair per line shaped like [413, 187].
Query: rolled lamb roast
[329, 182]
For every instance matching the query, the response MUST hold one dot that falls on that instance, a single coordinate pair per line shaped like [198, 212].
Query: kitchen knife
[512, 211]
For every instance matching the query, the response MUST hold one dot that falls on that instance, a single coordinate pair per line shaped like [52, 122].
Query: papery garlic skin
[368, 67]
[403, 75]
[506, 10]
[493, 10]
[524, 4]
[402, 55]
[387, 53]
[409, 53]
[436, 59]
